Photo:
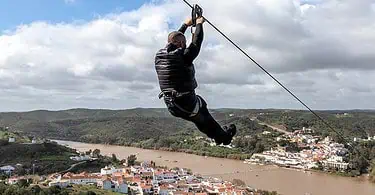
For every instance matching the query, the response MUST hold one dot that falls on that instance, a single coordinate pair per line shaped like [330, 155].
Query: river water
[285, 181]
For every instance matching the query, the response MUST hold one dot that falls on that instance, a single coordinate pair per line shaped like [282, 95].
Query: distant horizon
[134, 108]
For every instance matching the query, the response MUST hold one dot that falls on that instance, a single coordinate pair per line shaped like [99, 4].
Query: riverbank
[266, 177]
[226, 153]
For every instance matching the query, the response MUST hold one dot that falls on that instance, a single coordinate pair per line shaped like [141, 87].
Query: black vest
[173, 71]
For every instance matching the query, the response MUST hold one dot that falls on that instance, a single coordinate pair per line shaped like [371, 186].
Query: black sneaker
[226, 139]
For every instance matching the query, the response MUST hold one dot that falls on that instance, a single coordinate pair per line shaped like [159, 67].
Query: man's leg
[208, 125]
[203, 119]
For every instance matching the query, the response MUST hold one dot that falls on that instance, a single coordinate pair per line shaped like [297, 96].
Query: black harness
[169, 98]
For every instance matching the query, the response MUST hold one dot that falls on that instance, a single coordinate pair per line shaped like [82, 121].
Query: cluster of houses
[146, 179]
[314, 150]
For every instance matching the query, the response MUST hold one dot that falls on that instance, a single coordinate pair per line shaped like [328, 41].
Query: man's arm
[183, 28]
[185, 25]
[194, 48]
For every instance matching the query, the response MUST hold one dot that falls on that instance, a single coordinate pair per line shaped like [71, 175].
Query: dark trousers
[202, 120]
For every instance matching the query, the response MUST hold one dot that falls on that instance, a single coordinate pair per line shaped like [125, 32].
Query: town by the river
[282, 180]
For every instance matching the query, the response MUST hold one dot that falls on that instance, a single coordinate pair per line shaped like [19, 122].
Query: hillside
[47, 157]
[115, 126]
[5, 135]
[141, 124]
[351, 123]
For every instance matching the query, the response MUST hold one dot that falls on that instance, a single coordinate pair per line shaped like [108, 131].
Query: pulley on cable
[196, 12]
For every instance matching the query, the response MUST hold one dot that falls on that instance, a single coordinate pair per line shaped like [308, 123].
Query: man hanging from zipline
[176, 75]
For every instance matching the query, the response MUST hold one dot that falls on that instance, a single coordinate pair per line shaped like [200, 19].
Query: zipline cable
[320, 118]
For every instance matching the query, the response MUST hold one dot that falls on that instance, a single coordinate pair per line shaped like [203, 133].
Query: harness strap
[170, 96]
[192, 113]
[172, 93]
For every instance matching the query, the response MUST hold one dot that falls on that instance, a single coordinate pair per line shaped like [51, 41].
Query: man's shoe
[226, 139]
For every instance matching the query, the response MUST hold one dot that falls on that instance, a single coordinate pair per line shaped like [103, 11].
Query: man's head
[177, 38]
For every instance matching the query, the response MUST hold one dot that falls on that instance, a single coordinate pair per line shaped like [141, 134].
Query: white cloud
[69, 1]
[321, 50]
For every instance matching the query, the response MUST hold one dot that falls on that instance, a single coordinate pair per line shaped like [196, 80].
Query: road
[270, 126]
[72, 166]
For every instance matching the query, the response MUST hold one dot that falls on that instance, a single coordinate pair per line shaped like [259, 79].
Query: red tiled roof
[221, 189]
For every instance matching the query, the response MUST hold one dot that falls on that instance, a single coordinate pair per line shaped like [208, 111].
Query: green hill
[47, 157]
[5, 135]
[351, 123]
[113, 126]
[140, 124]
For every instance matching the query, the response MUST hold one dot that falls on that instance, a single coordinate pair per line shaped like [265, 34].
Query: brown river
[285, 181]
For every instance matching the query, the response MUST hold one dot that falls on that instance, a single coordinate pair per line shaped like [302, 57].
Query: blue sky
[16, 12]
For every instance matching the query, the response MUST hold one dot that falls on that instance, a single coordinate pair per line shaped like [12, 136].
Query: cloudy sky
[65, 54]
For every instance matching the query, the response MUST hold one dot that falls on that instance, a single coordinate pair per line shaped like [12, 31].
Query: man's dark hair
[176, 37]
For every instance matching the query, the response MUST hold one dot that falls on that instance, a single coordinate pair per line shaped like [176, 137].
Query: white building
[266, 132]
[82, 178]
[60, 183]
[80, 158]
[335, 162]
[12, 140]
[114, 185]
[168, 177]
[110, 170]
[7, 169]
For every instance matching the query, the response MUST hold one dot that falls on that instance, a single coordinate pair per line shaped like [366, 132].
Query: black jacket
[174, 66]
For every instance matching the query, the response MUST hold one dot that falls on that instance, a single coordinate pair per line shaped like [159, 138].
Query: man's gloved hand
[189, 22]
[200, 20]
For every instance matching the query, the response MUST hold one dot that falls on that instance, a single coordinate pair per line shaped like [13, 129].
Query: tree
[238, 182]
[20, 171]
[320, 166]
[11, 190]
[114, 158]
[89, 152]
[3, 142]
[292, 147]
[36, 189]
[54, 190]
[3, 187]
[96, 153]
[131, 160]
[23, 183]
[359, 163]
[259, 148]
[372, 174]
